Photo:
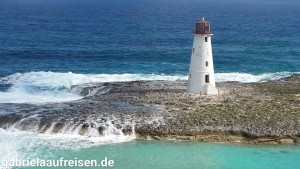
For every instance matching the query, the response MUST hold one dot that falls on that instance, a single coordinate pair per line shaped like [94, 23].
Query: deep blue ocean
[46, 46]
[148, 36]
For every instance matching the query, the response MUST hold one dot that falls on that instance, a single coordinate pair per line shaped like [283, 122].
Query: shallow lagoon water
[187, 155]
[128, 153]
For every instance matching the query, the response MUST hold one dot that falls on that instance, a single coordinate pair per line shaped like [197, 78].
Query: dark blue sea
[47, 46]
[149, 36]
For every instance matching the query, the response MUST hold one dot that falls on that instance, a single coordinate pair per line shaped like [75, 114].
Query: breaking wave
[248, 78]
[29, 145]
[41, 87]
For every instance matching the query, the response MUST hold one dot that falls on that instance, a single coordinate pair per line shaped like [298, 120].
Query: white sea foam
[16, 143]
[40, 87]
[247, 78]
[29, 145]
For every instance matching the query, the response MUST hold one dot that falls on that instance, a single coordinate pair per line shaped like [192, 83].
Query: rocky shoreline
[250, 113]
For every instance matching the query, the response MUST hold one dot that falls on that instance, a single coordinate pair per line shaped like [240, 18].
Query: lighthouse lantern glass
[202, 28]
[207, 28]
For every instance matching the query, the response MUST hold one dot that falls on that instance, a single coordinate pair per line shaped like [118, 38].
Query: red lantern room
[202, 27]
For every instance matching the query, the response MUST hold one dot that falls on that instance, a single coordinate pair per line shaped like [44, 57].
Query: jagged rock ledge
[226, 138]
[250, 113]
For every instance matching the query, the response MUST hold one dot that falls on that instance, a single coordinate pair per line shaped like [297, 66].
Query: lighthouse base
[207, 89]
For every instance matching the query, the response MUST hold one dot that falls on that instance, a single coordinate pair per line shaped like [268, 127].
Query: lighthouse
[201, 78]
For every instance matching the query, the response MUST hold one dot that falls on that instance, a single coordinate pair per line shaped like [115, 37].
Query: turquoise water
[187, 155]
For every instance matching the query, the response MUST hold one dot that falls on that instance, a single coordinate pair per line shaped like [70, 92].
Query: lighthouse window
[193, 50]
[207, 28]
[205, 39]
[206, 78]
[206, 63]
[201, 26]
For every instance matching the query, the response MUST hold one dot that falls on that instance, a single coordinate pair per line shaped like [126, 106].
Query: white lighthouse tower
[201, 74]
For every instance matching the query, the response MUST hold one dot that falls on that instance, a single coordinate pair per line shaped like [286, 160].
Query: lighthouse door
[206, 78]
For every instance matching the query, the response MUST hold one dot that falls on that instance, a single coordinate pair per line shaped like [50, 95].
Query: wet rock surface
[256, 113]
